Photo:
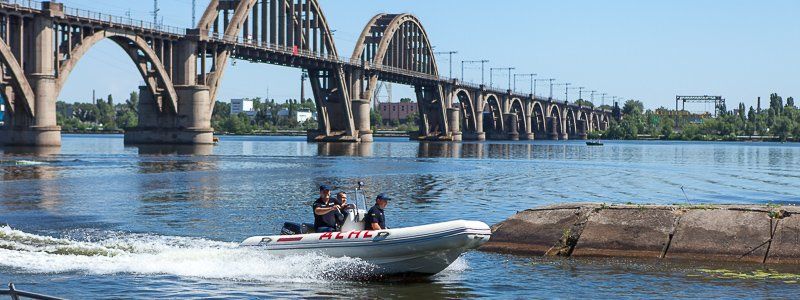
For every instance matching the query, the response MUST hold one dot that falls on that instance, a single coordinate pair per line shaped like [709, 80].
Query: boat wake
[144, 254]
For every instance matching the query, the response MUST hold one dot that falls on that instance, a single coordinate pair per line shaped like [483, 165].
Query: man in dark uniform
[375, 220]
[325, 210]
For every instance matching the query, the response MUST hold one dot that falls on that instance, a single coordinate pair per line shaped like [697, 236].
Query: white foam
[180, 256]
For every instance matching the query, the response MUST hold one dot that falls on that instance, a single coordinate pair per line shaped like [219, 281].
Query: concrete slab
[534, 232]
[785, 248]
[721, 234]
[628, 232]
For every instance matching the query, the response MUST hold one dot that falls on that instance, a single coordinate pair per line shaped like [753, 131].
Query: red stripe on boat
[289, 239]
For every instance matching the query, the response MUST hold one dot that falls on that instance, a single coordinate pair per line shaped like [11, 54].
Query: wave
[142, 254]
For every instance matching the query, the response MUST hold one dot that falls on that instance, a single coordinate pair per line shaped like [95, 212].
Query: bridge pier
[553, 132]
[479, 134]
[41, 128]
[528, 128]
[361, 111]
[513, 126]
[191, 126]
[582, 135]
[454, 120]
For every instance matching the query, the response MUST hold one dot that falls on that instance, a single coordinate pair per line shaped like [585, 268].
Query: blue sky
[647, 50]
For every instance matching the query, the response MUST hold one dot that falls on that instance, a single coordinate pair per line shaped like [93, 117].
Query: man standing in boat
[325, 210]
[375, 220]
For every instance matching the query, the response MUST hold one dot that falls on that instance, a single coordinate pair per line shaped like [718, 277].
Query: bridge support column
[528, 129]
[513, 126]
[191, 126]
[553, 132]
[361, 111]
[454, 121]
[582, 135]
[42, 128]
[479, 135]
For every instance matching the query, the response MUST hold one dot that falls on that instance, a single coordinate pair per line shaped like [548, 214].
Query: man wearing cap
[374, 220]
[325, 211]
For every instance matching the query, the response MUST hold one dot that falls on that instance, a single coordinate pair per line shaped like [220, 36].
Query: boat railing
[17, 294]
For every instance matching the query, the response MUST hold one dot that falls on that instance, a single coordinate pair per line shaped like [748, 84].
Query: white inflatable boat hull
[426, 249]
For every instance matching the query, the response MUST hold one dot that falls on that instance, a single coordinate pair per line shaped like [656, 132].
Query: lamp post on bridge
[451, 61]
[531, 75]
[482, 62]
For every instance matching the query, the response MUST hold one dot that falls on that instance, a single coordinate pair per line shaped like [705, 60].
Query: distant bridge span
[40, 43]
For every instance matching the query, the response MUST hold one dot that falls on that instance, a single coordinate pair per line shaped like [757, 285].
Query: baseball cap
[324, 187]
[382, 196]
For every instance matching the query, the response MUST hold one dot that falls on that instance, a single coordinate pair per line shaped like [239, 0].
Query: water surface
[99, 219]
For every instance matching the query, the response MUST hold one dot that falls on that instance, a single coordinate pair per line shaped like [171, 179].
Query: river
[97, 219]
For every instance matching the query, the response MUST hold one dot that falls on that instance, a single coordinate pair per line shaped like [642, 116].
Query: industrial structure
[41, 42]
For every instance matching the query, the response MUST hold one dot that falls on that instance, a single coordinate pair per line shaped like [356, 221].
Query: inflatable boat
[423, 250]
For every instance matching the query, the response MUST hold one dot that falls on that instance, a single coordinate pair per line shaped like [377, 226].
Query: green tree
[375, 118]
[632, 107]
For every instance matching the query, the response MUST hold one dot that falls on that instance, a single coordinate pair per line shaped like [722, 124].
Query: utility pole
[580, 93]
[482, 62]
[451, 60]
[604, 98]
[573, 88]
[531, 75]
[566, 88]
[591, 96]
[194, 13]
[551, 88]
[509, 77]
[491, 75]
[155, 13]
[534, 85]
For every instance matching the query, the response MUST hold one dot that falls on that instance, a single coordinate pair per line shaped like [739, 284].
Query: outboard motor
[291, 228]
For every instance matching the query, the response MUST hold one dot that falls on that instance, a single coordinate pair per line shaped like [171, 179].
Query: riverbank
[750, 233]
[396, 133]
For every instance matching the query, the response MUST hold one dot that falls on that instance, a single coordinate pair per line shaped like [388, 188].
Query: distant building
[397, 111]
[299, 116]
[242, 106]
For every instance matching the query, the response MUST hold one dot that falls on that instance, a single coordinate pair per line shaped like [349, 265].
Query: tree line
[103, 115]
[781, 121]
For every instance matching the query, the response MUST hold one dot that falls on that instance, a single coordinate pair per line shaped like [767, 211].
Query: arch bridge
[41, 42]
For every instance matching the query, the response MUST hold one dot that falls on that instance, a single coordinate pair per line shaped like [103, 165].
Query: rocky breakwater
[752, 233]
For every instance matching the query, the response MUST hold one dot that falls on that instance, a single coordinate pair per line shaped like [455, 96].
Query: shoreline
[390, 133]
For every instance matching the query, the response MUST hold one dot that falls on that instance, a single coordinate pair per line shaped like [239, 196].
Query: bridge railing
[100, 17]
[240, 41]
[23, 3]
[117, 20]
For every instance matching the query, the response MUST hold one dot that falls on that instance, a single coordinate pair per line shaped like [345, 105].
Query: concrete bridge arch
[150, 66]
